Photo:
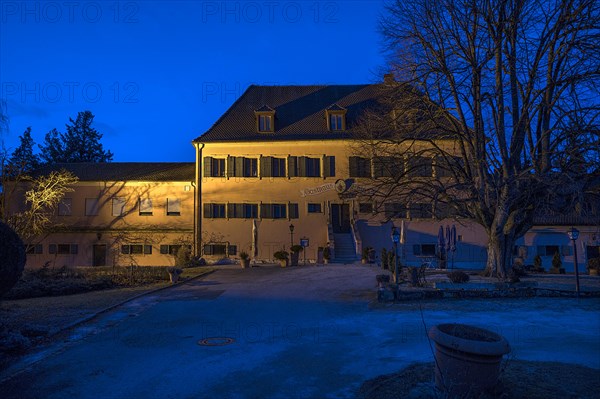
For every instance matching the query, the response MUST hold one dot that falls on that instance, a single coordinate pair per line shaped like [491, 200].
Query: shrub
[593, 264]
[281, 255]
[12, 258]
[183, 257]
[384, 258]
[556, 261]
[458, 277]
[296, 248]
[537, 264]
[244, 255]
[326, 253]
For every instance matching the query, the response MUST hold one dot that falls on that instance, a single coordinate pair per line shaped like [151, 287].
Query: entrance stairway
[344, 248]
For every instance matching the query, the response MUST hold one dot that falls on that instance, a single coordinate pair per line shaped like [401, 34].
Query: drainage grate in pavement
[216, 341]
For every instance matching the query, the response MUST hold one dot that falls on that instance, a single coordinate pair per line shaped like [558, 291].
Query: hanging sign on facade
[317, 190]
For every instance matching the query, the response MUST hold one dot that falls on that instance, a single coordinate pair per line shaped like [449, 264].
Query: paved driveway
[307, 332]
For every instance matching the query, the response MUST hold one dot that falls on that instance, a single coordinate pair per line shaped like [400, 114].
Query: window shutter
[239, 167]
[301, 166]
[292, 166]
[147, 249]
[417, 249]
[232, 250]
[266, 211]
[266, 166]
[231, 168]
[208, 249]
[207, 210]
[207, 166]
[293, 211]
[328, 166]
[353, 164]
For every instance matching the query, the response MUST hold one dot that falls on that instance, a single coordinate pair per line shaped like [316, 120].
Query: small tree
[556, 261]
[23, 160]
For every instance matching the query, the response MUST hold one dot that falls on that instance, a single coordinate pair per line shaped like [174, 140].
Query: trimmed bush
[12, 258]
[458, 277]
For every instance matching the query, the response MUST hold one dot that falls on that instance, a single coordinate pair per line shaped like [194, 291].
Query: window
[118, 206]
[315, 208]
[550, 250]
[145, 207]
[173, 207]
[272, 167]
[421, 211]
[335, 121]
[420, 166]
[309, 167]
[365, 207]
[243, 211]
[65, 207]
[273, 211]
[136, 249]
[214, 211]
[329, 166]
[442, 210]
[36, 249]
[446, 166]
[214, 167]
[265, 123]
[394, 210]
[91, 206]
[242, 167]
[388, 166]
[336, 118]
[63, 249]
[360, 167]
[215, 249]
[293, 211]
[173, 249]
[424, 249]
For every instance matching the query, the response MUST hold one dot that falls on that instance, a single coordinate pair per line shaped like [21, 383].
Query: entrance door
[340, 218]
[99, 255]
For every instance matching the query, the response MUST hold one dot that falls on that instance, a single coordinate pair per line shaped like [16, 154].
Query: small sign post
[304, 244]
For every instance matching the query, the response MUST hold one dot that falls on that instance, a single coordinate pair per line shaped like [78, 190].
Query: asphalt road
[305, 332]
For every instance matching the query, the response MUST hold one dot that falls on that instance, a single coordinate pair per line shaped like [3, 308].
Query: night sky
[158, 74]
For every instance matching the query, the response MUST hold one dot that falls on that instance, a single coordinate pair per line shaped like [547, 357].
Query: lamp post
[574, 235]
[395, 240]
[291, 235]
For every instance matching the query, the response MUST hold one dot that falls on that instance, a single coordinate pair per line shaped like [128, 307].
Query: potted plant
[384, 259]
[326, 255]
[593, 266]
[467, 359]
[367, 255]
[537, 264]
[295, 255]
[174, 273]
[557, 264]
[282, 257]
[245, 260]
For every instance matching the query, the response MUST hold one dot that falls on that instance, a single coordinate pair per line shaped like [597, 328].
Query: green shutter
[266, 165]
[207, 166]
[292, 166]
[328, 166]
[353, 165]
[293, 211]
[301, 166]
[231, 169]
[207, 210]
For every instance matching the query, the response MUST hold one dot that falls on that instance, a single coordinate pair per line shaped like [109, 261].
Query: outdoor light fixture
[574, 235]
[291, 235]
[395, 240]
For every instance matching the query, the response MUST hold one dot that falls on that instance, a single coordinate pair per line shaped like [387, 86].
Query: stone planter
[283, 262]
[593, 272]
[467, 359]
[245, 263]
[325, 261]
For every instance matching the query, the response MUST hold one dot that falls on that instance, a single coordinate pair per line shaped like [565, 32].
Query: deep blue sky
[158, 74]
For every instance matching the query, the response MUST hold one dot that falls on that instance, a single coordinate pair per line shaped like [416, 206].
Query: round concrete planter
[245, 263]
[294, 256]
[467, 359]
[283, 262]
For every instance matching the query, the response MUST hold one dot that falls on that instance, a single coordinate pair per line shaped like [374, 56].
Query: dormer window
[265, 119]
[336, 118]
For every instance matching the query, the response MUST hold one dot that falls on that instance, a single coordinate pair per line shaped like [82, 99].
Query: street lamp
[395, 240]
[291, 235]
[574, 235]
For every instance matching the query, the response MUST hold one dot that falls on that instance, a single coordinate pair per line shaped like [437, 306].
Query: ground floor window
[36, 249]
[315, 208]
[136, 249]
[168, 249]
[424, 249]
[63, 249]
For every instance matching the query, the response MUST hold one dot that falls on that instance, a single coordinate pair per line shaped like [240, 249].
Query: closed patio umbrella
[254, 240]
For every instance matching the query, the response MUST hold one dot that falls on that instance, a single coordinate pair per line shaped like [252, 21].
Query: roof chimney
[388, 79]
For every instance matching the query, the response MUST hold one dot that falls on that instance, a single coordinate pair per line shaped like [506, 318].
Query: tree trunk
[499, 255]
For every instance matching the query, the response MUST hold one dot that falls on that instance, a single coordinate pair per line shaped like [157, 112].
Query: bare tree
[501, 98]
[41, 198]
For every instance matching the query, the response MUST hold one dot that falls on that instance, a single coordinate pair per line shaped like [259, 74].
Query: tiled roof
[126, 171]
[299, 112]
